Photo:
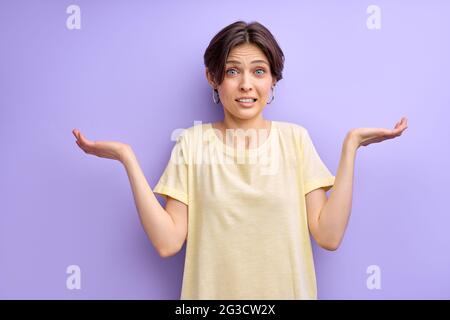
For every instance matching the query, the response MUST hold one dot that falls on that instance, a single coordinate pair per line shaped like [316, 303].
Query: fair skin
[327, 216]
[247, 74]
[165, 227]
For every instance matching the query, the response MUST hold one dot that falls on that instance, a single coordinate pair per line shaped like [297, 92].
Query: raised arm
[328, 218]
[166, 228]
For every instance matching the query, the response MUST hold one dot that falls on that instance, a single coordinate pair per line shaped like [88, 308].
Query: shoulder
[193, 133]
[291, 128]
[196, 129]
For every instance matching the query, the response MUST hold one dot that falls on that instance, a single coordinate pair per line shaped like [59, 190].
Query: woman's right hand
[104, 149]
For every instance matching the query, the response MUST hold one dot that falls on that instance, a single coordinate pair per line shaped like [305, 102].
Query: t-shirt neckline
[232, 151]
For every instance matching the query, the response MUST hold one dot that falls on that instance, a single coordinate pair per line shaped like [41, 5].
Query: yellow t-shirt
[248, 235]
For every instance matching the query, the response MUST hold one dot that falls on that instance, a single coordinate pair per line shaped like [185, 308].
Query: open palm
[104, 149]
[366, 136]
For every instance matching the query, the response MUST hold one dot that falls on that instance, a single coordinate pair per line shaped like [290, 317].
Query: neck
[258, 122]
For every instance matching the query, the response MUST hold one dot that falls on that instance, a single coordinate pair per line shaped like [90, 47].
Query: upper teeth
[246, 100]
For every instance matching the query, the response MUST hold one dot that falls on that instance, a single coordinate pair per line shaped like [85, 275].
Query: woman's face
[247, 75]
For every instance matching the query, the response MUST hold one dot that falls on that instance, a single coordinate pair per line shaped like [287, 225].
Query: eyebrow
[254, 61]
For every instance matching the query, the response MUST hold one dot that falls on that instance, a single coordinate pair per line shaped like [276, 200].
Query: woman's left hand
[365, 136]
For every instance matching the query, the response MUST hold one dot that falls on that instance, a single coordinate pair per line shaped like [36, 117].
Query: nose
[245, 84]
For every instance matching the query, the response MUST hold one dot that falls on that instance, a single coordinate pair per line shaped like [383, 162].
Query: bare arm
[166, 228]
[328, 218]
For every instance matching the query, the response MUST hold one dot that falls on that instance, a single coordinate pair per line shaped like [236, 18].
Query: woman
[254, 188]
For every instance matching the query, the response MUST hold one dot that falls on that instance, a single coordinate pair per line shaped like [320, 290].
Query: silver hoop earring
[273, 95]
[216, 93]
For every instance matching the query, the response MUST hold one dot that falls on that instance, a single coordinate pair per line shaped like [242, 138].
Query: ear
[274, 82]
[210, 79]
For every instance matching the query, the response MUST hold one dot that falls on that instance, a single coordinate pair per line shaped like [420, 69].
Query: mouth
[246, 102]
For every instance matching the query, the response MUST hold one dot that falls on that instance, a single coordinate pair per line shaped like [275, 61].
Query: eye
[228, 71]
[262, 71]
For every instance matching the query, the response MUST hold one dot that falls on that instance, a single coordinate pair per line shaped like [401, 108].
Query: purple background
[134, 73]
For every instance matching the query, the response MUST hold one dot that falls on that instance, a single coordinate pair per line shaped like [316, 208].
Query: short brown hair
[238, 33]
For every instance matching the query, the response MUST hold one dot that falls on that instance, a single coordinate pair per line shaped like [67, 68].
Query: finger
[399, 130]
[403, 124]
[78, 134]
[79, 145]
[83, 147]
[83, 138]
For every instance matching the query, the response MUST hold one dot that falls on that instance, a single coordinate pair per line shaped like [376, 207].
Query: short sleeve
[174, 180]
[315, 173]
